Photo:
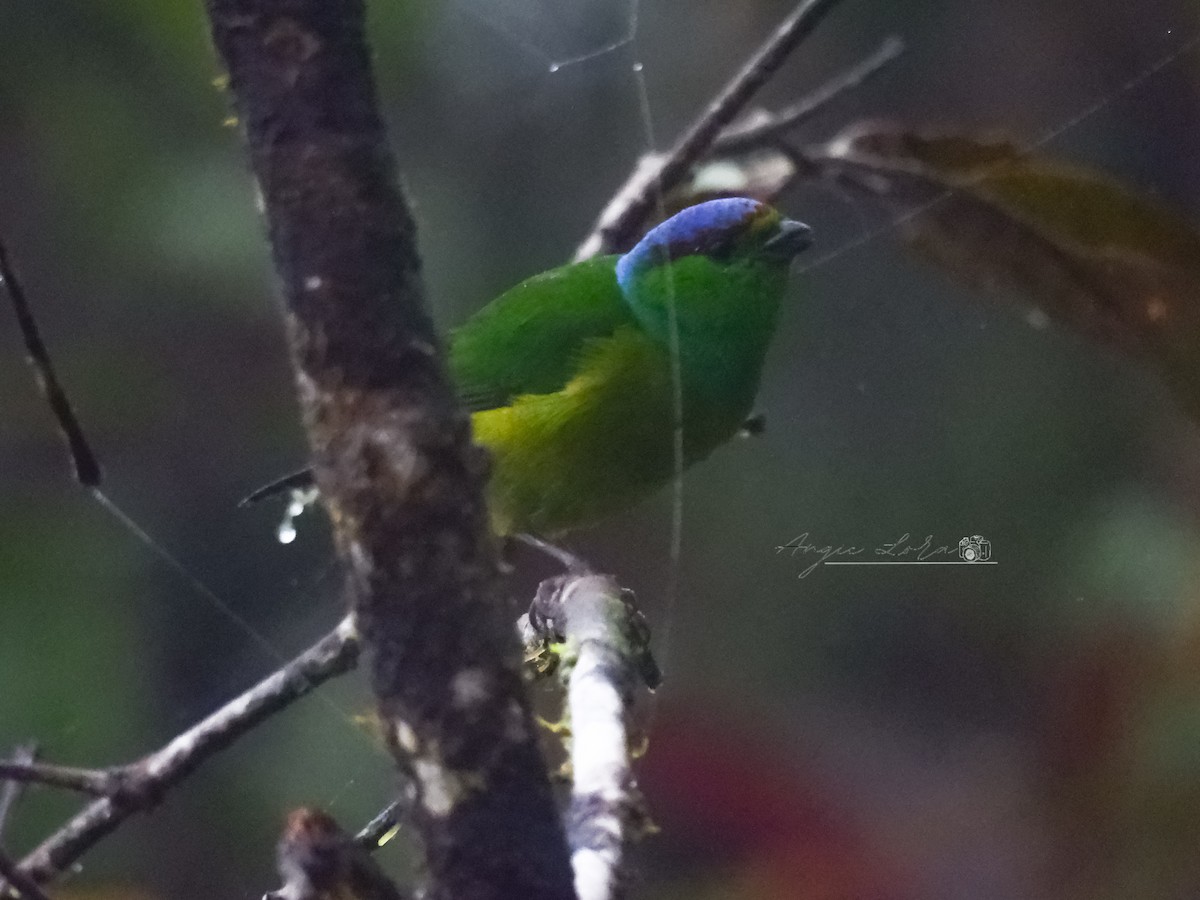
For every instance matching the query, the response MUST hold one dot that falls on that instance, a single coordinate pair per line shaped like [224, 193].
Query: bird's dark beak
[791, 238]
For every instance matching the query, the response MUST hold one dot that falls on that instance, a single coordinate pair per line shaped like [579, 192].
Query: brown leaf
[1089, 252]
[319, 861]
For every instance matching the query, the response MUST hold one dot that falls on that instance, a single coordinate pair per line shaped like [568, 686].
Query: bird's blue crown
[711, 228]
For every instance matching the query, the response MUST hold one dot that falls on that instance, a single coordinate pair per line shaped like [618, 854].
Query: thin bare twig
[634, 201]
[604, 659]
[97, 782]
[762, 129]
[18, 880]
[23, 754]
[371, 835]
[87, 468]
[147, 780]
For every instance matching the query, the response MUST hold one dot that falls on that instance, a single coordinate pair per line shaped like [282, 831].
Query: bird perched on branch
[576, 377]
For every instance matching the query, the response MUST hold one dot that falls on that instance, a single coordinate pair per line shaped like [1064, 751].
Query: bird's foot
[572, 562]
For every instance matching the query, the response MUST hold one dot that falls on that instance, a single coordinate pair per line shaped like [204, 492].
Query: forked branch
[142, 784]
[635, 200]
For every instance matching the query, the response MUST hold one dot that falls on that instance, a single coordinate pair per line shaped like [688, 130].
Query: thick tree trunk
[391, 448]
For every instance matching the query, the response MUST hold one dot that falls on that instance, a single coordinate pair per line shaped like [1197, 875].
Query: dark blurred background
[1029, 729]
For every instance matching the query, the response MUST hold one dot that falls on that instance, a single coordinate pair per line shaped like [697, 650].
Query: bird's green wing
[528, 340]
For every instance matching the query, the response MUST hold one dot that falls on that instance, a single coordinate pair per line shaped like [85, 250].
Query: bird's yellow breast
[602, 443]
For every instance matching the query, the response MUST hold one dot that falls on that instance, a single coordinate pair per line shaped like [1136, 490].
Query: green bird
[576, 376]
